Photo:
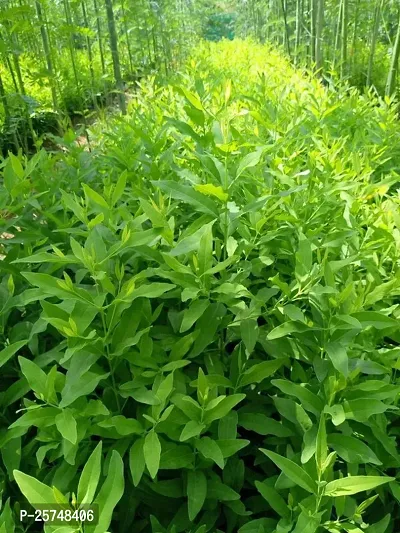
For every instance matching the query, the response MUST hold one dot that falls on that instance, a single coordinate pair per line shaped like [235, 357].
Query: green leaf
[381, 526]
[309, 444]
[41, 417]
[187, 244]
[285, 329]
[220, 492]
[231, 447]
[187, 405]
[307, 523]
[191, 429]
[152, 453]
[211, 190]
[338, 355]
[354, 484]
[263, 425]
[292, 471]
[375, 319]
[249, 332]
[227, 426]
[44, 257]
[187, 194]
[273, 498]
[260, 525]
[205, 251]
[49, 285]
[11, 455]
[110, 494]
[184, 128]
[207, 327]
[311, 402]
[119, 187]
[363, 408]
[78, 386]
[34, 375]
[249, 160]
[260, 371]
[10, 350]
[210, 449]
[223, 408]
[66, 425]
[303, 258]
[90, 476]
[153, 290]
[141, 395]
[321, 448]
[191, 98]
[34, 491]
[293, 412]
[177, 458]
[123, 425]
[137, 461]
[337, 413]
[94, 196]
[352, 450]
[196, 492]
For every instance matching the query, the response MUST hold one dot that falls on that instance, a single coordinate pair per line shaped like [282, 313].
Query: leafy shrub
[199, 315]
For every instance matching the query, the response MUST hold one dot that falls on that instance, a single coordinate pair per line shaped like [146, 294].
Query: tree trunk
[90, 54]
[394, 62]
[3, 98]
[10, 69]
[128, 44]
[72, 50]
[298, 29]
[318, 37]
[7, 114]
[286, 39]
[345, 22]
[375, 28]
[313, 28]
[47, 53]
[99, 37]
[115, 55]
[356, 17]
[338, 33]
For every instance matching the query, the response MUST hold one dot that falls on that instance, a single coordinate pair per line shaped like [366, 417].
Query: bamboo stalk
[394, 63]
[344, 36]
[47, 53]
[318, 37]
[115, 55]
[375, 28]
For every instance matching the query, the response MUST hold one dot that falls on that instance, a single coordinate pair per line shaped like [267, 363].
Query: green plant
[210, 292]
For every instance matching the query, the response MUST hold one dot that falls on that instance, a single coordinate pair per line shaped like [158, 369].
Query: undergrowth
[199, 315]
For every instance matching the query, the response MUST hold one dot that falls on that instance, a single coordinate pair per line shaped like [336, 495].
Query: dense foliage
[63, 61]
[357, 40]
[199, 314]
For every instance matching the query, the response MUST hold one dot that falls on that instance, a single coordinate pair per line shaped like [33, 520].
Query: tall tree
[115, 55]
[344, 37]
[374, 37]
[285, 21]
[318, 36]
[299, 22]
[394, 63]
[313, 21]
[90, 52]
[47, 52]
[99, 36]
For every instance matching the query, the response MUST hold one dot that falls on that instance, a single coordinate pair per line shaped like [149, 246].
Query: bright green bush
[199, 315]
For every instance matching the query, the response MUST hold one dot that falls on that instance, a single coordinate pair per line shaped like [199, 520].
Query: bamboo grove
[71, 57]
[63, 60]
[358, 40]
